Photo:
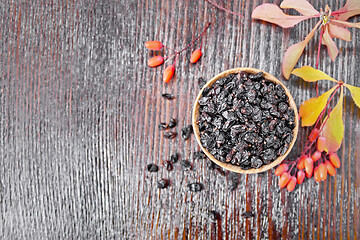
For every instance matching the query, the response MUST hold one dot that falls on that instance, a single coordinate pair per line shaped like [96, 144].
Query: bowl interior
[229, 166]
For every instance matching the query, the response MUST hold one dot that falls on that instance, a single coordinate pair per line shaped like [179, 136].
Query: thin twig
[222, 8]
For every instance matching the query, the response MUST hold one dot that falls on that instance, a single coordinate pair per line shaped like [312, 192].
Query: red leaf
[351, 8]
[294, 52]
[333, 130]
[330, 44]
[302, 6]
[310, 109]
[272, 13]
[355, 93]
[339, 32]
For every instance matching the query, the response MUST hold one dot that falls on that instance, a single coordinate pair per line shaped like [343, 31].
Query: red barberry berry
[195, 56]
[321, 144]
[155, 61]
[291, 185]
[301, 163]
[316, 156]
[314, 134]
[317, 174]
[309, 167]
[168, 73]
[281, 169]
[300, 177]
[153, 45]
[330, 168]
[284, 179]
[334, 159]
[322, 172]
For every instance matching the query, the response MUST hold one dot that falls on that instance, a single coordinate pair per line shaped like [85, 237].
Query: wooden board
[79, 111]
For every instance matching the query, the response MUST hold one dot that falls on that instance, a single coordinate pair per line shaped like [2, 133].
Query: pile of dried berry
[245, 120]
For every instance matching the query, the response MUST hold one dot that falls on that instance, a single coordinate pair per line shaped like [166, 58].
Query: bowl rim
[228, 166]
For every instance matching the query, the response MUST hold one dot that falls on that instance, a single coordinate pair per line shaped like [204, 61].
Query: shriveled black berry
[213, 216]
[152, 167]
[210, 165]
[168, 96]
[256, 162]
[185, 165]
[195, 187]
[201, 82]
[282, 107]
[186, 132]
[163, 126]
[247, 214]
[174, 158]
[172, 123]
[199, 155]
[168, 165]
[163, 183]
[170, 135]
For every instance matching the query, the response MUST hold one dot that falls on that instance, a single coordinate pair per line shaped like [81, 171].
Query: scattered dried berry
[199, 155]
[163, 126]
[247, 214]
[163, 183]
[245, 120]
[168, 165]
[201, 82]
[170, 135]
[152, 167]
[186, 132]
[195, 187]
[168, 96]
[210, 165]
[185, 165]
[174, 158]
[172, 123]
[213, 216]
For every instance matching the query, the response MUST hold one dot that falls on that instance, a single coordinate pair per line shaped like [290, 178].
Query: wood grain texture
[79, 111]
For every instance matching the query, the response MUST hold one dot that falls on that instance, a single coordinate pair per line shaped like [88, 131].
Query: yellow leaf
[310, 74]
[355, 93]
[310, 109]
[333, 130]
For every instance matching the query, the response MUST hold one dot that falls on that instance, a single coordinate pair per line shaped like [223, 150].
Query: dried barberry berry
[163, 183]
[168, 165]
[163, 126]
[195, 187]
[172, 123]
[213, 216]
[247, 214]
[199, 155]
[152, 167]
[210, 165]
[185, 165]
[174, 158]
[168, 96]
[186, 132]
[201, 82]
[170, 135]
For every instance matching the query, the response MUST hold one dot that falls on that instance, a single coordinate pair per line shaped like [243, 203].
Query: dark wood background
[79, 111]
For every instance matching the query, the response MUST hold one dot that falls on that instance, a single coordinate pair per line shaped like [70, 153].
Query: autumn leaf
[333, 129]
[310, 109]
[351, 8]
[272, 13]
[294, 52]
[355, 93]
[302, 6]
[330, 44]
[339, 32]
[310, 74]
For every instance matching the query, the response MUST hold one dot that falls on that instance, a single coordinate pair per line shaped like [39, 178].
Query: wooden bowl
[229, 166]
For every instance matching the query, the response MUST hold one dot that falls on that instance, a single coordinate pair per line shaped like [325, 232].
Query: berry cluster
[159, 60]
[313, 161]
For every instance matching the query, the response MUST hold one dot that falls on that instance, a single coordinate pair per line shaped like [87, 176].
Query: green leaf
[355, 93]
[310, 109]
[333, 130]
